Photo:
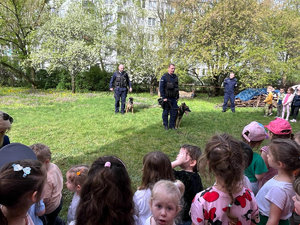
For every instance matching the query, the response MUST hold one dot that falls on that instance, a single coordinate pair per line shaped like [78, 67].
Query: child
[36, 211]
[75, 179]
[248, 156]
[278, 128]
[164, 203]
[106, 195]
[5, 125]
[227, 201]
[287, 100]
[295, 219]
[54, 184]
[269, 101]
[21, 185]
[281, 95]
[296, 105]
[274, 199]
[156, 166]
[187, 159]
[254, 134]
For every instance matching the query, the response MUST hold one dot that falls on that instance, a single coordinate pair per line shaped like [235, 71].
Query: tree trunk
[153, 85]
[283, 80]
[20, 74]
[32, 75]
[73, 82]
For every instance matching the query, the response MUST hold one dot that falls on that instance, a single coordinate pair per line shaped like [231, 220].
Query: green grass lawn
[79, 128]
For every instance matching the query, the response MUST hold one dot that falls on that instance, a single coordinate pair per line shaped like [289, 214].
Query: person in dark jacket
[5, 125]
[296, 105]
[229, 84]
[169, 91]
[119, 83]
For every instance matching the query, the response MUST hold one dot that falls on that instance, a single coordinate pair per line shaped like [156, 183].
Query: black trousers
[52, 218]
[296, 111]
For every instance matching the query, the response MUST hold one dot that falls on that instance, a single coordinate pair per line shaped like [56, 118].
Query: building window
[152, 4]
[143, 3]
[124, 19]
[127, 2]
[150, 37]
[140, 21]
[151, 22]
[108, 18]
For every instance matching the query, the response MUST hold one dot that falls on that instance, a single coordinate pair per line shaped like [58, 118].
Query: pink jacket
[290, 99]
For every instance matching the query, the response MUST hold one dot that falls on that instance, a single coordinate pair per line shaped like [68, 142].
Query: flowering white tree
[74, 41]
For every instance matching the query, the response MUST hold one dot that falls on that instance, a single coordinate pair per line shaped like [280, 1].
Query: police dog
[182, 109]
[129, 105]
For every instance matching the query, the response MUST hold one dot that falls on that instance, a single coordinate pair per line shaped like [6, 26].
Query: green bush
[93, 80]
[64, 79]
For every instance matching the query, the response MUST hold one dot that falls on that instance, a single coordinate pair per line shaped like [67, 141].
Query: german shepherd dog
[183, 108]
[129, 105]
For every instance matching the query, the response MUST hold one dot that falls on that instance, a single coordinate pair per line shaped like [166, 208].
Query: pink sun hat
[254, 131]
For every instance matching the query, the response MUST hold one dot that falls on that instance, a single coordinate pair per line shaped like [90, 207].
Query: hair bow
[107, 164]
[18, 167]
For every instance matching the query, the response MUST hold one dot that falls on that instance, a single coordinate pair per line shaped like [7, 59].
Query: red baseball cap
[279, 126]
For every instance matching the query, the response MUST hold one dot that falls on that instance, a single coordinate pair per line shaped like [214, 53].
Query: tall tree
[18, 20]
[137, 43]
[259, 40]
[67, 42]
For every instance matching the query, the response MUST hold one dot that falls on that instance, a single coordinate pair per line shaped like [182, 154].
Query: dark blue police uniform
[168, 87]
[229, 85]
[120, 81]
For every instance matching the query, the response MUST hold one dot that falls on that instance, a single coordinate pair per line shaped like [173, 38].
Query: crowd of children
[288, 104]
[249, 188]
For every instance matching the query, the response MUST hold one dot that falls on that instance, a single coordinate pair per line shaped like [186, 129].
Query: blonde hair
[78, 174]
[176, 189]
[5, 125]
[41, 151]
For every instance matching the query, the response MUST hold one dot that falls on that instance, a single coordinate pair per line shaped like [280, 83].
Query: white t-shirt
[72, 208]
[148, 221]
[246, 182]
[141, 201]
[279, 193]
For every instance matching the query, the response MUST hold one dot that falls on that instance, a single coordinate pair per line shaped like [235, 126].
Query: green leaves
[72, 41]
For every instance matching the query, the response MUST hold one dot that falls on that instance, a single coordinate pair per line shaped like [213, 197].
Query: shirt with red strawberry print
[210, 206]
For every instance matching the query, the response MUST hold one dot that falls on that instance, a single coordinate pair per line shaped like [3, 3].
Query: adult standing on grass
[229, 84]
[169, 91]
[119, 83]
[5, 125]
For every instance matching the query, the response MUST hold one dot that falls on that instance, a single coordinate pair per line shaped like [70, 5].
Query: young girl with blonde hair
[76, 176]
[165, 203]
[156, 166]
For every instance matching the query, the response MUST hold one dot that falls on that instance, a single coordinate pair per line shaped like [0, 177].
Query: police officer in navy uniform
[119, 83]
[169, 91]
[229, 84]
